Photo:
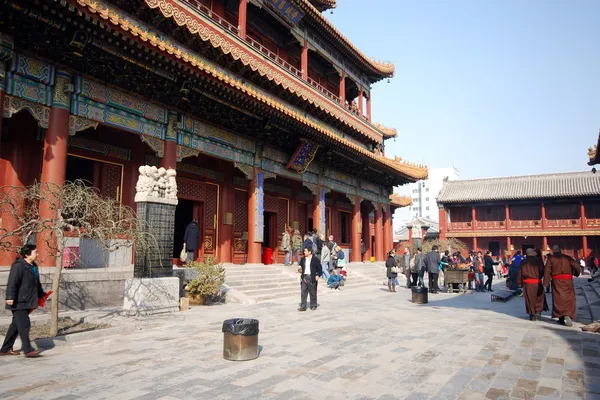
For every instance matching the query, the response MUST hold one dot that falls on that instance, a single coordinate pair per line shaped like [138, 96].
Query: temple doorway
[186, 211]
[494, 247]
[270, 231]
[81, 168]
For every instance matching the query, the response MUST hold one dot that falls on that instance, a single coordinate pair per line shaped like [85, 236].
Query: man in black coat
[432, 264]
[22, 293]
[310, 270]
[190, 238]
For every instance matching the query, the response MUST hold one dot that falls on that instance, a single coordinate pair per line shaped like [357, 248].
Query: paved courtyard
[360, 344]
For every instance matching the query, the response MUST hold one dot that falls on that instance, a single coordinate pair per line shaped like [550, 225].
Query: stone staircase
[588, 300]
[256, 283]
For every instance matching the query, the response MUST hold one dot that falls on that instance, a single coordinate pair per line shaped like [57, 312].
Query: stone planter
[196, 300]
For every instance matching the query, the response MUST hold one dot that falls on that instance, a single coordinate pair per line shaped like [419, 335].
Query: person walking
[406, 267]
[391, 271]
[286, 245]
[326, 261]
[23, 290]
[432, 264]
[296, 246]
[363, 249]
[190, 239]
[488, 270]
[478, 268]
[310, 271]
[421, 271]
[561, 268]
[528, 278]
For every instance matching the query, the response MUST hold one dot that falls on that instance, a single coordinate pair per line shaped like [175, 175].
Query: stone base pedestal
[147, 296]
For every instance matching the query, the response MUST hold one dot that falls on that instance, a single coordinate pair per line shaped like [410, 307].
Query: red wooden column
[390, 228]
[16, 164]
[242, 15]
[54, 163]
[369, 107]
[410, 235]
[585, 246]
[545, 243]
[474, 243]
[543, 216]
[2, 73]
[582, 213]
[387, 240]
[366, 232]
[169, 159]
[316, 213]
[343, 88]
[226, 201]
[304, 60]
[355, 230]
[508, 244]
[443, 223]
[378, 234]
[473, 217]
[360, 102]
[506, 216]
[253, 246]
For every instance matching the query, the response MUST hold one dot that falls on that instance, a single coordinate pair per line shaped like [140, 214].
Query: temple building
[510, 214]
[263, 107]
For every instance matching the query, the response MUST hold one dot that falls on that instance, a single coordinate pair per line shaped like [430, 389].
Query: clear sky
[496, 87]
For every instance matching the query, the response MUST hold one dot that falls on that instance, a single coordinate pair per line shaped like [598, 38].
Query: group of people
[526, 276]
[414, 268]
[321, 259]
[557, 272]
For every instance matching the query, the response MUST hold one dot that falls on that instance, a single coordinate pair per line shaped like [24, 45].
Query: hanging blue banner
[260, 209]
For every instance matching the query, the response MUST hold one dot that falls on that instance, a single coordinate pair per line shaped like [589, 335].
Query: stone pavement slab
[360, 344]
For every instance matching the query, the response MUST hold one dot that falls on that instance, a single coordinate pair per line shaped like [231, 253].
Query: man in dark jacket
[488, 270]
[190, 238]
[22, 293]
[432, 264]
[310, 270]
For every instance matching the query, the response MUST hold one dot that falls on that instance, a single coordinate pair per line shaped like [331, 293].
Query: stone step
[260, 281]
[253, 276]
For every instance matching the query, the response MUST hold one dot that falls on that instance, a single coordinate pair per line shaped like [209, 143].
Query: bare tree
[75, 208]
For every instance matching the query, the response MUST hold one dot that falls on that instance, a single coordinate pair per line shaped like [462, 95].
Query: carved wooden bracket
[246, 169]
[185, 152]
[78, 124]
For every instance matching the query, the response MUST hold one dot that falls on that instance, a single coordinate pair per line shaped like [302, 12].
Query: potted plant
[209, 276]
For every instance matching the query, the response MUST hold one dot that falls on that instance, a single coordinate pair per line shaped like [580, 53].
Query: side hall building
[263, 107]
[510, 214]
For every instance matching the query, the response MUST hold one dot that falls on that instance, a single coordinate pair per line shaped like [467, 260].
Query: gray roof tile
[548, 186]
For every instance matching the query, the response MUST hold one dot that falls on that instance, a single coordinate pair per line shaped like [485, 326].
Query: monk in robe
[529, 278]
[561, 269]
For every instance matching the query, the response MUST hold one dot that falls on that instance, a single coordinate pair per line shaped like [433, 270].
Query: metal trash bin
[240, 339]
[419, 295]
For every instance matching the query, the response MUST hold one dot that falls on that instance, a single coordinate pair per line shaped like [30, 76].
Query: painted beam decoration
[303, 156]
[286, 9]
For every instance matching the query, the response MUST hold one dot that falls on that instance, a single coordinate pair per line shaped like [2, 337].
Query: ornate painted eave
[383, 68]
[593, 153]
[323, 5]
[127, 25]
[184, 16]
[413, 170]
[387, 132]
[400, 201]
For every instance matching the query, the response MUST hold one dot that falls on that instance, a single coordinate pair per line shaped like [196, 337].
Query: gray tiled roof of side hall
[547, 186]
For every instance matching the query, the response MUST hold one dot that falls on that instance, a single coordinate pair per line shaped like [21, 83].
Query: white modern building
[423, 194]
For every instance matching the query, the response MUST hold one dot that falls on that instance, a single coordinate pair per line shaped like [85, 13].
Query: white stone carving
[156, 185]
